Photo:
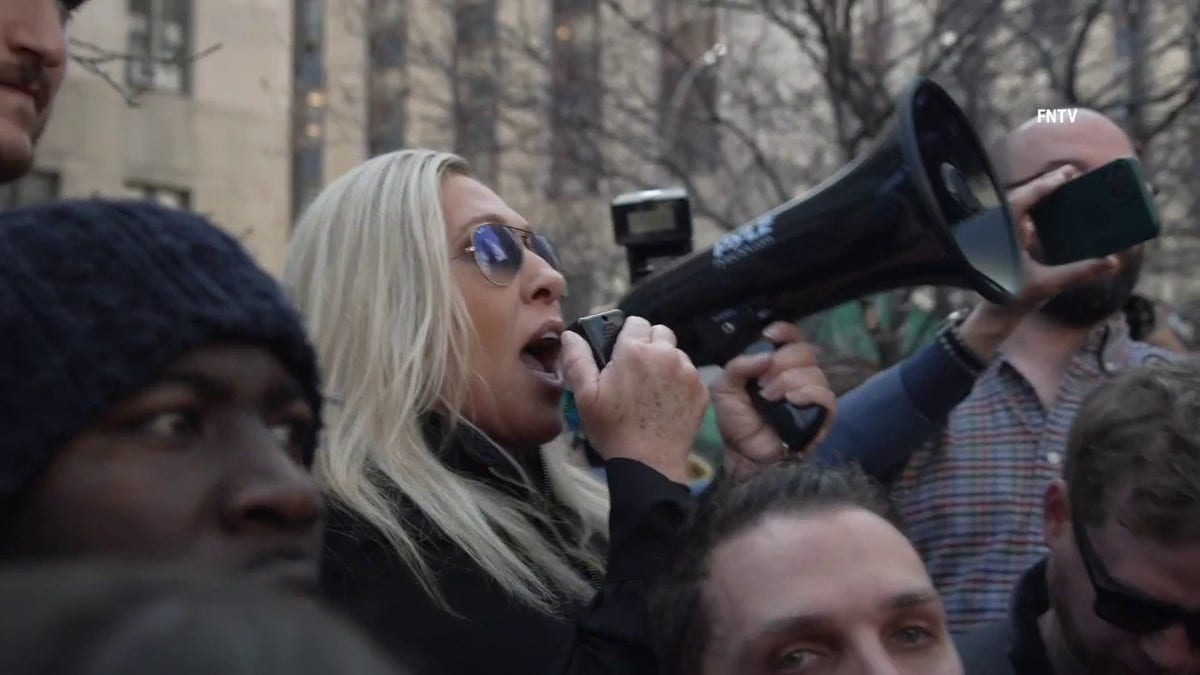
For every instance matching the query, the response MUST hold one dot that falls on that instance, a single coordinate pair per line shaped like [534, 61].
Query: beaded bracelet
[952, 343]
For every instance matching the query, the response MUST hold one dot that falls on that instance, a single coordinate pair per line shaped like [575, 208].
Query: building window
[575, 99]
[35, 187]
[166, 196]
[387, 77]
[476, 93]
[160, 45]
[688, 92]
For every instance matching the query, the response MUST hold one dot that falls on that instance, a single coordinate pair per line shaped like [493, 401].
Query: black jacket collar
[1030, 601]
[1013, 645]
[470, 452]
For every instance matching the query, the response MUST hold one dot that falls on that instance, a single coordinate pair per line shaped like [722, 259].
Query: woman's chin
[527, 429]
[542, 428]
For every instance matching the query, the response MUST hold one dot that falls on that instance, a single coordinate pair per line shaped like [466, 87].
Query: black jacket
[1012, 646]
[362, 577]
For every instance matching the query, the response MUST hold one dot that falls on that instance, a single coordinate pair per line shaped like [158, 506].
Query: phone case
[1104, 211]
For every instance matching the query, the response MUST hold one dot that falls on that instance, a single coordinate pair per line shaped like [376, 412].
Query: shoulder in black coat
[984, 650]
[495, 634]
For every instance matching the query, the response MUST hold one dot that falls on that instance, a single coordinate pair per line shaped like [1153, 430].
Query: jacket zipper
[593, 576]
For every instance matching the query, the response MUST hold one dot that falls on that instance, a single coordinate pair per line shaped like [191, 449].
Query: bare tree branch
[94, 58]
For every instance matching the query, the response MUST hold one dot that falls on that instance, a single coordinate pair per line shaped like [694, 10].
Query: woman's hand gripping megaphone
[788, 373]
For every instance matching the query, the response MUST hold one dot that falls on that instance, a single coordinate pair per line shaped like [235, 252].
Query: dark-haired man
[1119, 592]
[158, 397]
[799, 569]
[33, 61]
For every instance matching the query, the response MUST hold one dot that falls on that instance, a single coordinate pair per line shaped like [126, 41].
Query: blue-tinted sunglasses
[499, 251]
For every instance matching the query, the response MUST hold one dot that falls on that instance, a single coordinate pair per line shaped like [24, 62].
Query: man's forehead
[818, 565]
[1167, 571]
[1087, 144]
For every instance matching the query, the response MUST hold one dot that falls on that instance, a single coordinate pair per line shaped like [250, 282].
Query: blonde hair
[369, 267]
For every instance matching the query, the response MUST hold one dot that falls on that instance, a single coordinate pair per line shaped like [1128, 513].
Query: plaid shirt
[972, 499]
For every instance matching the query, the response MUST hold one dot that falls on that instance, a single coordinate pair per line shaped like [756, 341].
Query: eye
[175, 424]
[295, 436]
[793, 661]
[914, 636]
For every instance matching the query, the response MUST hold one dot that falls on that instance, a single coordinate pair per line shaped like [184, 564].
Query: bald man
[971, 497]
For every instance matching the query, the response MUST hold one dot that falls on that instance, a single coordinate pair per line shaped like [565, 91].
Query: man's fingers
[794, 355]
[783, 332]
[814, 394]
[1060, 276]
[796, 379]
[1026, 233]
[745, 368]
[1023, 198]
[579, 370]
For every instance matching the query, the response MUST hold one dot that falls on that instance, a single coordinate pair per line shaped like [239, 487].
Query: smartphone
[1102, 212]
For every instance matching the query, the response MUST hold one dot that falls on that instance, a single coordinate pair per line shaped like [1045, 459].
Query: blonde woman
[454, 537]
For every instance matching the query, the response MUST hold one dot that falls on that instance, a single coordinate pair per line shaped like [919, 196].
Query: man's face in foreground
[830, 592]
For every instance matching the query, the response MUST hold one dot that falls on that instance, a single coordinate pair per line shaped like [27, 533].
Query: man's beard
[1090, 304]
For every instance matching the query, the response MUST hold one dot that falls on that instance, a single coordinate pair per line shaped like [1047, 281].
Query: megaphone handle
[796, 425]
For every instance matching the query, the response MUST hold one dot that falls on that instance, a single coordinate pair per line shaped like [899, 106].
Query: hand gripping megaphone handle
[797, 426]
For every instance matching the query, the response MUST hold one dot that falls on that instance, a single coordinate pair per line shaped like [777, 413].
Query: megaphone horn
[921, 207]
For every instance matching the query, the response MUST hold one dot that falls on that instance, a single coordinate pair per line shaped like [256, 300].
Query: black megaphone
[921, 207]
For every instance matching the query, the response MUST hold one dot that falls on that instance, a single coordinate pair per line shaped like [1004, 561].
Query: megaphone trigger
[797, 426]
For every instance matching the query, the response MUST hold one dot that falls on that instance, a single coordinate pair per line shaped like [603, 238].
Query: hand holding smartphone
[1104, 211]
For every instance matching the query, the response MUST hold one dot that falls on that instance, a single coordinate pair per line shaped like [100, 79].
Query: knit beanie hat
[98, 296]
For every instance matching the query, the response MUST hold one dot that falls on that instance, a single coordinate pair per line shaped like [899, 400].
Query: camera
[654, 226]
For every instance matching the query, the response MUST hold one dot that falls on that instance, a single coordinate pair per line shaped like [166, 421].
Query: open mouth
[541, 357]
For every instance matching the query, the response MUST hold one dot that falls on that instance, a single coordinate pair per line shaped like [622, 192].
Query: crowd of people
[204, 469]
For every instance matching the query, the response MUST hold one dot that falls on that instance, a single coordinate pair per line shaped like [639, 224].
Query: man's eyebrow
[912, 599]
[823, 625]
[208, 386]
[817, 622]
[214, 389]
[1046, 168]
[796, 623]
[284, 392]
[790, 625]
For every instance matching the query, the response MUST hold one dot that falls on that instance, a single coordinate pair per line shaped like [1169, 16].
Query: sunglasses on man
[1128, 608]
[499, 251]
